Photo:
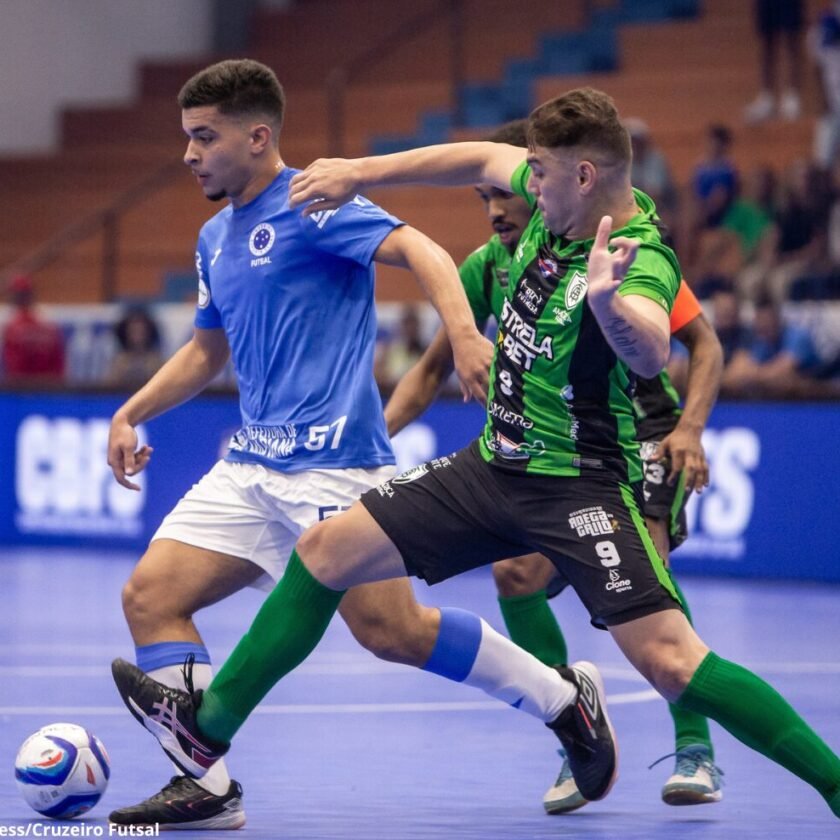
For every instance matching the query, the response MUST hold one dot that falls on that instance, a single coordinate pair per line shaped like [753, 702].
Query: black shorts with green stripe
[456, 513]
[664, 501]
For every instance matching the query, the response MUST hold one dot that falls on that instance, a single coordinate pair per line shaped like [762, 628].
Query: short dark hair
[764, 300]
[236, 86]
[581, 117]
[513, 133]
[721, 134]
[138, 313]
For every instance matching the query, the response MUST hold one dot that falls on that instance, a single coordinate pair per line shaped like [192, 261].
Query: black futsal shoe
[586, 733]
[183, 804]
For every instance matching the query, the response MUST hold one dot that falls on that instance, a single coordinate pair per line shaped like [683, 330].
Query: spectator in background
[138, 356]
[726, 318]
[824, 45]
[798, 243]
[709, 257]
[401, 351]
[32, 348]
[743, 243]
[834, 216]
[750, 216]
[650, 172]
[715, 179]
[775, 21]
[776, 360]
[714, 186]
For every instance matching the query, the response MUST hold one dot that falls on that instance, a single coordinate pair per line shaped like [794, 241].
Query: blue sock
[163, 654]
[456, 648]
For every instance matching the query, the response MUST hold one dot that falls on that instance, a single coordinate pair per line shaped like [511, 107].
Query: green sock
[287, 628]
[532, 625]
[756, 714]
[689, 727]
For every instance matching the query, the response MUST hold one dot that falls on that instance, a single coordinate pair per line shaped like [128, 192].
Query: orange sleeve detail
[686, 307]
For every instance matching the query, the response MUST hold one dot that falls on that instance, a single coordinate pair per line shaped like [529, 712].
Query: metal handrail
[105, 219]
[341, 75]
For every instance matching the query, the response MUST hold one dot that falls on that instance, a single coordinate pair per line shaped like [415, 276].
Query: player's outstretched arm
[683, 448]
[330, 182]
[635, 327]
[183, 376]
[420, 384]
[437, 275]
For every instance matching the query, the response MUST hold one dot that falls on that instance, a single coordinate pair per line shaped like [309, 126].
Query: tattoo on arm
[621, 334]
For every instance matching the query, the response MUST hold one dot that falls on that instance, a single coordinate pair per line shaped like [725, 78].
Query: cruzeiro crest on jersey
[260, 243]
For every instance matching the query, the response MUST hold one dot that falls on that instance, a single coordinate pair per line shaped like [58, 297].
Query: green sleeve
[472, 271]
[519, 184]
[653, 275]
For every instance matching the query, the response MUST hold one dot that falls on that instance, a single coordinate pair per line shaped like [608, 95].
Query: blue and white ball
[62, 770]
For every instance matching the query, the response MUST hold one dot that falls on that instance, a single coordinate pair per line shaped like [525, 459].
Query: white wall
[55, 52]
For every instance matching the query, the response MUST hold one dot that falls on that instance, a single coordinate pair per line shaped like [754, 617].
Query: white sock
[469, 650]
[217, 779]
[509, 673]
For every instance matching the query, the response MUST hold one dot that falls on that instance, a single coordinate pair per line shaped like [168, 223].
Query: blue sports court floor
[348, 747]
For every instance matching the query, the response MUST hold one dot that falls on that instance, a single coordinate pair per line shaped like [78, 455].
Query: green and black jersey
[484, 275]
[560, 401]
[657, 405]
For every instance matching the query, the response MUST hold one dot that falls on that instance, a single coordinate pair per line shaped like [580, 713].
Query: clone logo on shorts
[260, 242]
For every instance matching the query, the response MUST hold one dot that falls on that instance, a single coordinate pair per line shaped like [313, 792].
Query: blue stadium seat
[481, 105]
[178, 286]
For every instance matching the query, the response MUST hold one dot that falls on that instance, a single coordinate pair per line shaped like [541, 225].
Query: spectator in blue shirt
[776, 360]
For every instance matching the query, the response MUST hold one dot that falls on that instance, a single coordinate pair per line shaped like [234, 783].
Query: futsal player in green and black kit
[526, 583]
[556, 469]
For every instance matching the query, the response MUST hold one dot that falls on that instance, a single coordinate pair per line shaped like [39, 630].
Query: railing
[105, 220]
[340, 76]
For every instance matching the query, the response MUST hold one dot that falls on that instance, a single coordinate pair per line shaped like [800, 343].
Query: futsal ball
[62, 770]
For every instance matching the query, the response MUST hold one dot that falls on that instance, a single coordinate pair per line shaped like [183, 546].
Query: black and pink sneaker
[170, 715]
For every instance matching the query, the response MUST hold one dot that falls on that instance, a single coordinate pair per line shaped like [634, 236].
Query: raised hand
[609, 262]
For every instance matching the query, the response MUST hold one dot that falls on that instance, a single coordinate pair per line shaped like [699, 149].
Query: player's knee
[670, 674]
[143, 601]
[313, 548]
[513, 579]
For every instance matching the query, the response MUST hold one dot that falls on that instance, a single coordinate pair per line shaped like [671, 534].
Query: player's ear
[586, 175]
[261, 138]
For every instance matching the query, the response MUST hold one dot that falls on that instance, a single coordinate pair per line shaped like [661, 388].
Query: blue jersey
[294, 296]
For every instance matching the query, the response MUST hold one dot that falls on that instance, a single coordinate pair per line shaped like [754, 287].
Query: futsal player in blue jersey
[290, 297]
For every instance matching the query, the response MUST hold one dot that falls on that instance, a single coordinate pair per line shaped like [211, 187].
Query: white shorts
[258, 514]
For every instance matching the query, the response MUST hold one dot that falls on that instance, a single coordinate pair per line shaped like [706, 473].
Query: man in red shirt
[32, 348]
